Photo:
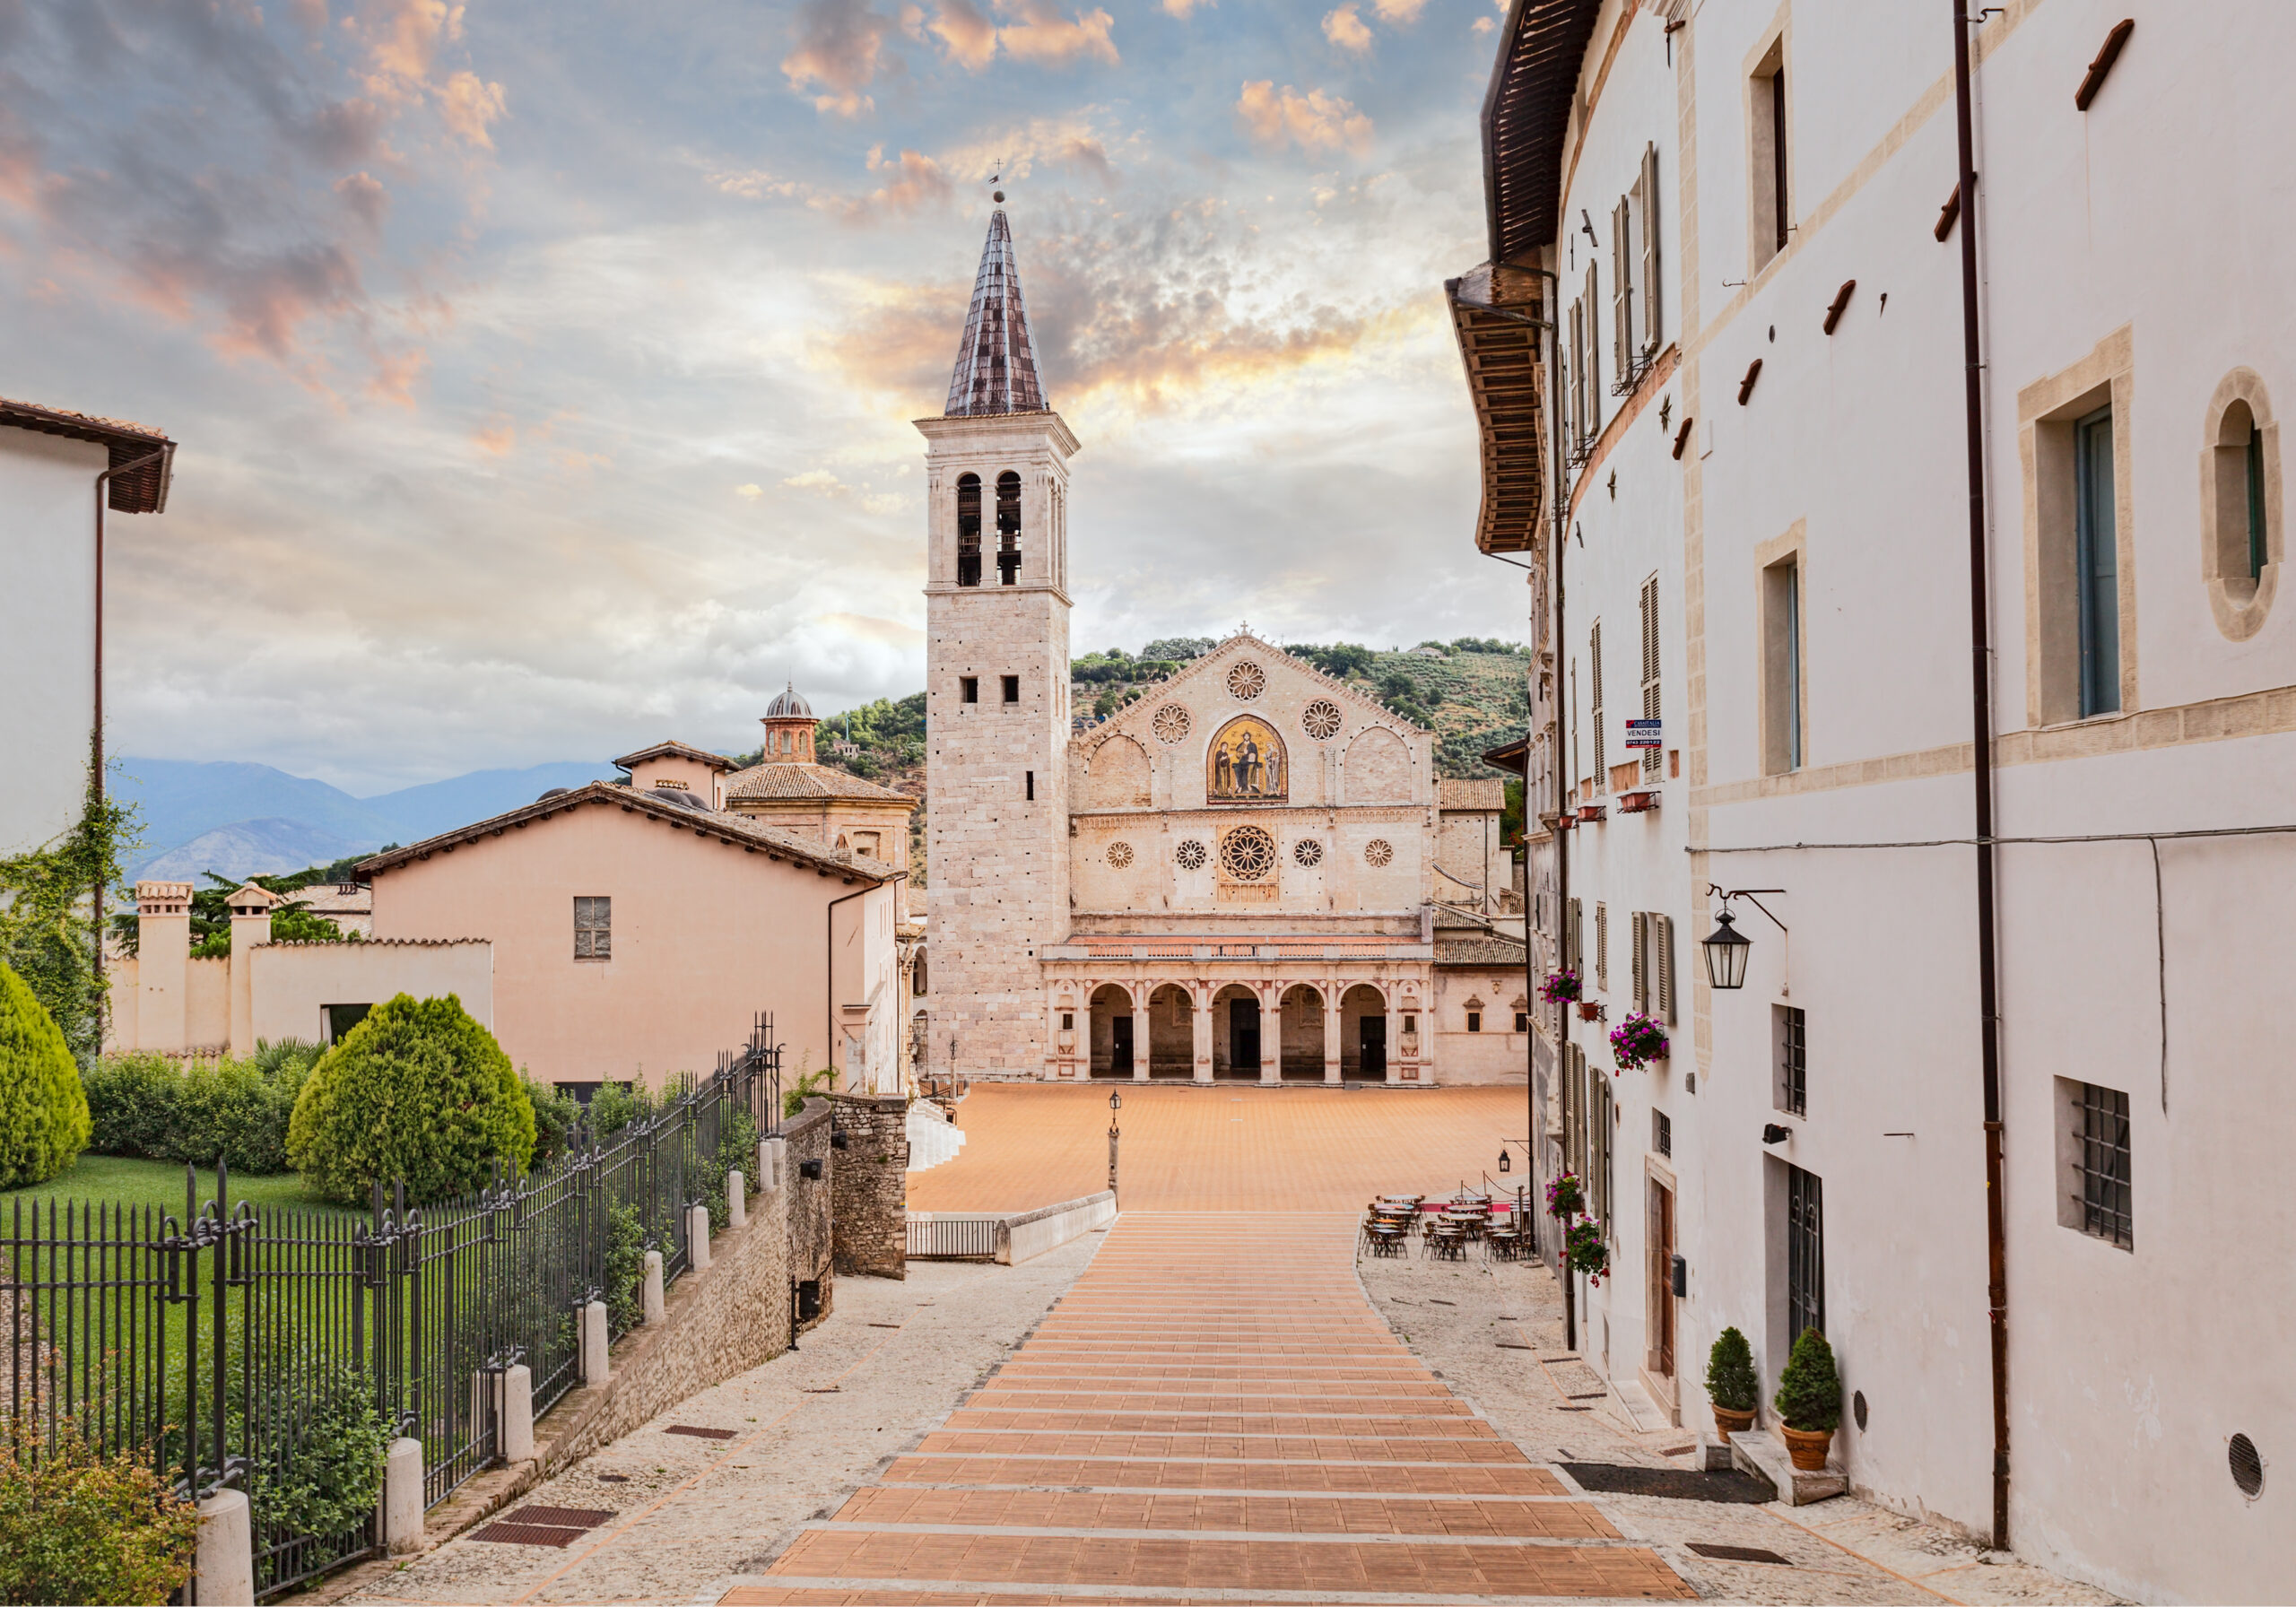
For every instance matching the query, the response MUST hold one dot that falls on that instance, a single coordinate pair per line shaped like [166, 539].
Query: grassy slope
[118, 1180]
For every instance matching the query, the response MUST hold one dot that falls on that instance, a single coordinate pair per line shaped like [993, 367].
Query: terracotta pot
[1727, 1422]
[1808, 1447]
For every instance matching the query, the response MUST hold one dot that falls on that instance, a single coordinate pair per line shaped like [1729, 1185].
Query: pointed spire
[996, 365]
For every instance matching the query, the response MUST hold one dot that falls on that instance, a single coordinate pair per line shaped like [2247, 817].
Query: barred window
[594, 928]
[1805, 1252]
[1793, 1083]
[2100, 1127]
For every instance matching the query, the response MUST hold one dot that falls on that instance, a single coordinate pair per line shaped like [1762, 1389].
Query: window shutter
[1646, 216]
[1575, 391]
[1621, 294]
[1650, 756]
[1594, 706]
[1590, 420]
[1602, 944]
[1641, 961]
[1662, 934]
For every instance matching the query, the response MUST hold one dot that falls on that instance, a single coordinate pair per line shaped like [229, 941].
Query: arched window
[1008, 527]
[2240, 535]
[968, 530]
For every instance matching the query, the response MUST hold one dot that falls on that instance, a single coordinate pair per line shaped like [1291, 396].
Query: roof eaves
[144, 489]
[1526, 120]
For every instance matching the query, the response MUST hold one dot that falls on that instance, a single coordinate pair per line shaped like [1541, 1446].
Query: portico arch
[1171, 1033]
[1238, 1051]
[1301, 1014]
[1114, 1051]
[1365, 1045]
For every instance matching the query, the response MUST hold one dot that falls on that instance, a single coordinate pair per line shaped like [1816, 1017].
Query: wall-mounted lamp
[1774, 1133]
[1726, 949]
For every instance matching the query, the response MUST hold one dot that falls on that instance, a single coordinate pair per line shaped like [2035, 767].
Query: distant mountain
[236, 818]
[250, 848]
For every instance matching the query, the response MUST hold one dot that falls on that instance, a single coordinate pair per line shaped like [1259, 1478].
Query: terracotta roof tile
[669, 748]
[1473, 795]
[807, 781]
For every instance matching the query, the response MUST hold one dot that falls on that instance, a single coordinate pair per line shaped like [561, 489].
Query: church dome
[789, 705]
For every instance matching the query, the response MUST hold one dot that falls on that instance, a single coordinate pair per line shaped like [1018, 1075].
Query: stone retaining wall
[871, 1192]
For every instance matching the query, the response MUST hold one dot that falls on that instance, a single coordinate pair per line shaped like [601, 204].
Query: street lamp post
[1116, 1103]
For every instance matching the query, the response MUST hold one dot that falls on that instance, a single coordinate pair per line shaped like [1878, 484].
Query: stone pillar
[697, 1237]
[596, 1368]
[1201, 1017]
[517, 1419]
[1393, 1050]
[224, 1557]
[1332, 1023]
[402, 1497]
[163, 965]
[738, 1199]
[651, 1300]
[1270, 1034]
[771, 1157]
[250, 930]
[1140, 1037]
[869, 1221]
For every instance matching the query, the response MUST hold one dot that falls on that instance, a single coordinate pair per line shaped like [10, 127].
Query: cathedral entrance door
[1373, 1033]
[1243, 1036]
[1120, 1047]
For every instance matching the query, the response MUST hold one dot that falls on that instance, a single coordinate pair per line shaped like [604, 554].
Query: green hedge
[233, 1110]
[418, 1091]
[43, 1113]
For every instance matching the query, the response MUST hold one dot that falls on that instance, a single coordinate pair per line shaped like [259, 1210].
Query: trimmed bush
[43, 1113]
[616, 1105]
[1809, 1391]
[555, 1113]
[77, 1525]
[233, 1110]
[1730, 1380]
[418, 1091]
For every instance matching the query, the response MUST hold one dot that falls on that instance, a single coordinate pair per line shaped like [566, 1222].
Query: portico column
[1201, 1016]
[1270, 1034]
[1140, 1009]
[1392, 1055]
[1331, 1033]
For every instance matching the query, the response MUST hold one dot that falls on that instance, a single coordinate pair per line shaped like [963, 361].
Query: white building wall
[48, 631]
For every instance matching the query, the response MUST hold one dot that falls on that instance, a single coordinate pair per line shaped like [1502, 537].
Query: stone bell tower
[996, 685]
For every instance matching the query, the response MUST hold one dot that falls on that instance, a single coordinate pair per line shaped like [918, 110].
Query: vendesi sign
[1643, 734]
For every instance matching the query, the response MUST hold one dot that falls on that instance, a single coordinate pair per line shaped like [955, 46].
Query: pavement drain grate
[1721, 1553]
[700, 1433]
[564, 1518]
[556, 1526]
[1673, 1483]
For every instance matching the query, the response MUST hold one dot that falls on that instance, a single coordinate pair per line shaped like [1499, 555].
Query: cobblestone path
[1214, 1413]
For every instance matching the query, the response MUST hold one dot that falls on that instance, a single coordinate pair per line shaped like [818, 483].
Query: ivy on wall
[47, 932]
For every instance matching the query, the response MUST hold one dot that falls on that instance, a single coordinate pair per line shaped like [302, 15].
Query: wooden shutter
[1650, 756]
[1575, 390]
[1641, 960]
[1573, 935]
[1647, 221]
[1594, 705]
[1590, 420]
[1602, 944]
[1662, 937]
[1621, 293]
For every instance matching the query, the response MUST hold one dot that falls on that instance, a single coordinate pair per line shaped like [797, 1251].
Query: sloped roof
[1499, 347]
[1472, 796]
[725, 827]
[1527, 118]
[1486, 950]
[144, 492]
[996, 362]
[1132, 720]
[669, 748]
[807, 781]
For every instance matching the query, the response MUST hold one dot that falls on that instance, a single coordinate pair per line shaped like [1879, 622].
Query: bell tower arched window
[968, 530]
[1008, 528]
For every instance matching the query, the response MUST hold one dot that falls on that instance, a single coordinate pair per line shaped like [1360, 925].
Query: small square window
[1661, 1133]
[1067, 1020]
[2093, 1154]
[1522, 1021]
[1012, 688]
[969, 689]
[1475, 1021]
[594, 928]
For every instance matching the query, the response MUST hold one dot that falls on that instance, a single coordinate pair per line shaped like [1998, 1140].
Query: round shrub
[43, 1111]
[418, 1091]
[1730, 1380]
[79, 1526]
[1809, 1391]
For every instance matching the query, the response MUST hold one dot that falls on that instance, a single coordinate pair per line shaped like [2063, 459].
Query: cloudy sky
[544, 371]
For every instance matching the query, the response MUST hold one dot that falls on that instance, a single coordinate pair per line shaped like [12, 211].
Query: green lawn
[116, 1180]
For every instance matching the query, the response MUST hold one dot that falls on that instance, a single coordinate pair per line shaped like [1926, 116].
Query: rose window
[1247, 854]
[1321, 721]
[1190, 855]
[1247, 680]
[1119, 855]
[1307, 853]
[1379, 852]
[1171, 724]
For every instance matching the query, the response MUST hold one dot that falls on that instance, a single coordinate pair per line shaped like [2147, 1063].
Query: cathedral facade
[1254, 871]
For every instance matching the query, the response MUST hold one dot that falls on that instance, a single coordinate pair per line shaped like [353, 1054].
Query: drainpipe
[96, 733]
[1981, 772]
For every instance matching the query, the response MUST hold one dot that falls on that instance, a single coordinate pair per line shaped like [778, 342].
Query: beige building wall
[291, 984]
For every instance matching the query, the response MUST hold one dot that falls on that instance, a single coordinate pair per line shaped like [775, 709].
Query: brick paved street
[1221, 1148]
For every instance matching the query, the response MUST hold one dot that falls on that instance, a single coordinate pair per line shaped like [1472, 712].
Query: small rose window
[1321, 720]
[1247, 854]
[1247, 680]
[1307, 853]
[1171, 722]
[1378, 853]
[1190, 855]
[1119, 855]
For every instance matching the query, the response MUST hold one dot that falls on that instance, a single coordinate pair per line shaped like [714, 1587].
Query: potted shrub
[1731, 1385]
[1560, 987]
[1809, 1400]
[1590, 1010]
[1639, 1040]
[1583, 1245]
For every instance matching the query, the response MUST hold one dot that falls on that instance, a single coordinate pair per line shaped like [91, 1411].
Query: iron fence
[241, 1347]
[945, 1236]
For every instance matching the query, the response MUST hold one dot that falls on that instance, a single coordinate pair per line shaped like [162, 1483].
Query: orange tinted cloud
[968, 36]
[1345, 29]
[1314, 121]
[1040, 33]
[840, 44]
[468, 105]
[1400, 14]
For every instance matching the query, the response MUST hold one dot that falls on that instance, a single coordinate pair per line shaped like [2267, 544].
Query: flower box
[1637, 803]
[1589, 813]
[1590, 1010]
[1640, 1039]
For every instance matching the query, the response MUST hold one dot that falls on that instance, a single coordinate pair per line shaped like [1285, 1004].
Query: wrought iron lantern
[1726, 954]
[1505, 1165]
